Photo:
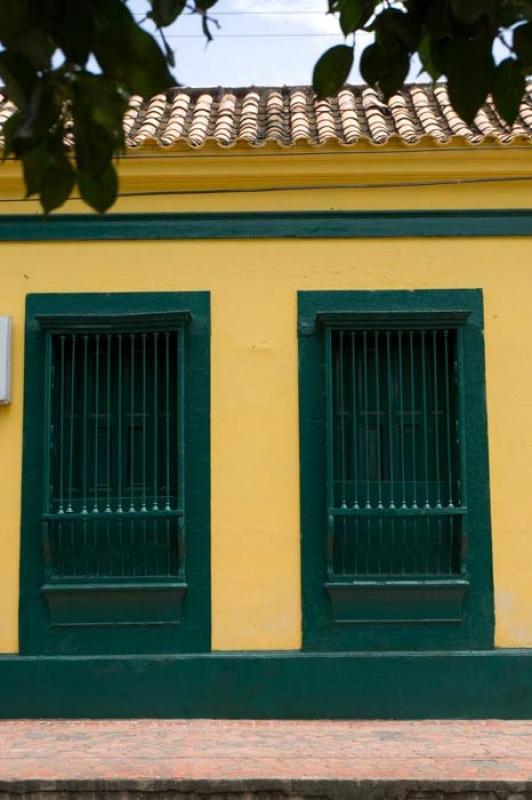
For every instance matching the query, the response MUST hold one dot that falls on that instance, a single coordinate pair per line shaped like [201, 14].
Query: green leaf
[94, 145]
[164, 12]
[395, 27]
[508, 14]
[438, 20]
[19, 77]
[9, 131]
[470, 70]
[97, 111]
[522, 7]
[34, 165]
[468, 12]
[394, 72]
[523, 44]
[99, 98]
[39, 117]
[99, 192]
[371, 63]
[508, 89]
[15, 17]
[75, 30]
[170, 57]
[37, 46]
[57, 183]
[332, 70]
[138, 63]
[438, 52]
[204, 5]
[427, 59]
[353, 14]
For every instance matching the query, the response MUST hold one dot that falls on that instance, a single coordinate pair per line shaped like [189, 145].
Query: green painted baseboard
[435, 685]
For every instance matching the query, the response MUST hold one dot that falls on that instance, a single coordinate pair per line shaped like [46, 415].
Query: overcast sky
[260, 42]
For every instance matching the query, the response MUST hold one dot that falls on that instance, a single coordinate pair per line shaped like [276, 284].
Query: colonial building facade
[265, 438]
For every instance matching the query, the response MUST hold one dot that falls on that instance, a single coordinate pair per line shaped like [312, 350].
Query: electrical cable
[312, 187]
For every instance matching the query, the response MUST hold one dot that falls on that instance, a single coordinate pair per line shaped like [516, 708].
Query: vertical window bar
[72, 550]
[143, 506]
[448, 446]
[427, 545]
[330, 448]
[392, 545]
[390, 420]
[366, 413]
[379, 454]
[119, 436]
[425, 416]
[49, 436]
[180, 411]
[85, 421]
[132, 426]
[354, 422]
[341, 411]
[71, 444]
[62, 430]
[155, 420]
[96, 417]
[368, 542]
[108, 429]
[401, 415]
[413, 419]
[404, 553]
[415, 560]
[451, 540]
[355, 548]
[461, 417]
[167, 414]
[344, 546]
[436, 419]
[378, 417]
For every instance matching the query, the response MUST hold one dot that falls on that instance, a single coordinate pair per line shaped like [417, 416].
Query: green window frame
[396, 541]
[116, 496]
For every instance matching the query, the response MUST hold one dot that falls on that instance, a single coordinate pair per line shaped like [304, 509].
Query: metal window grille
[396, 501]
[114, 490]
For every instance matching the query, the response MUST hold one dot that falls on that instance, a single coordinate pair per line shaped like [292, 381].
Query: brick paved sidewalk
[203, 750]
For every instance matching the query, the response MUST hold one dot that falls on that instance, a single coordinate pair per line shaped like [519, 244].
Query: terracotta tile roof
[293, 115]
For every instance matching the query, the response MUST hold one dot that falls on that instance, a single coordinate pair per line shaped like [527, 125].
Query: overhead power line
[252, 35]
[296, 188]
[273, 13]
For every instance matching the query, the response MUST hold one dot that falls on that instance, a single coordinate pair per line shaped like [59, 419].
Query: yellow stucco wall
[253, 285]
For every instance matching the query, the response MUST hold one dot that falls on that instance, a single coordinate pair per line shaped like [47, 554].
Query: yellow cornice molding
[211, 168]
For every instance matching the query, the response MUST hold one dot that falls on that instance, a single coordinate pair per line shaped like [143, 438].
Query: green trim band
[267, 225]
[433, 685]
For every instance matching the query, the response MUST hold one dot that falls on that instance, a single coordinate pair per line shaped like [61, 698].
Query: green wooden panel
[98, 604]
[397, 601]
[116, 474]
[393, 432]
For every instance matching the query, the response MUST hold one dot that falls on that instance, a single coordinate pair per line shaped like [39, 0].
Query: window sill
[424, 600]
[114, 603]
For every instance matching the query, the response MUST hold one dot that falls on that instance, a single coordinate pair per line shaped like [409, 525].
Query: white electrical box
[5, 360]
